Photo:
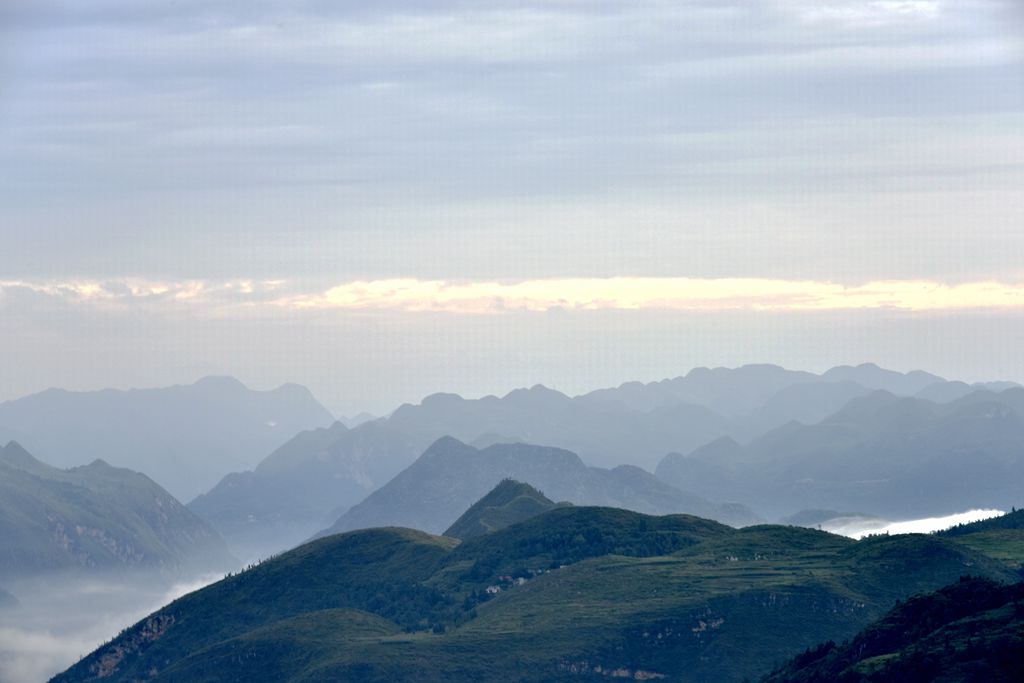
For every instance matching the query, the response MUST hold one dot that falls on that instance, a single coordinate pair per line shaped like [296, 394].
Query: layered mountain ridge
[898, 457]
[436, 489]
[185, 437]
[310, 481]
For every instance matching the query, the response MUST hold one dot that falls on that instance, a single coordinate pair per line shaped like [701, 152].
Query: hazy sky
[381, 200]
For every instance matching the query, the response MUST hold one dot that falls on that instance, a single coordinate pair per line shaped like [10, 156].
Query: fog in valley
[859, 527]
[60, 619]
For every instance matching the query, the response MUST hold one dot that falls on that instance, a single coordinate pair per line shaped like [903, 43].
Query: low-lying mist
[859, 527]
[60, 619]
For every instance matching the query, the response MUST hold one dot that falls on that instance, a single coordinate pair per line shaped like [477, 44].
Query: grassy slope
[684, 597]
[508, 503]
[999, 537]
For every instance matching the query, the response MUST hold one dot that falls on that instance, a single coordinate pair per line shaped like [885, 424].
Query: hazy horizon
[582, 389]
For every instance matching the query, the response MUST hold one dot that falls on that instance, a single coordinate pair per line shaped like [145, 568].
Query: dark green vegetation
[576, 593]
[896, 457]
[970, 631]
[510, 502]
[94, 518]
[999, 537]
[1012, 521]
[815, 518]
[450, 475]
[184, 437]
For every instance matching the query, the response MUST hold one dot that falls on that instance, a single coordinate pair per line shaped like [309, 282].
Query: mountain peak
[506, 504]
[446, 444]
[99, 464]
[15, 454]
[441, 399]
[536, 392]
[872, 376]
[220, 382]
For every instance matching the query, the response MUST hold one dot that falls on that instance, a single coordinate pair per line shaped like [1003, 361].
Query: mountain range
[213, 438]
[96, 518]
[311, 480]
[898, 457]
[185, 437]
[304, 485]
[436, 489]
[573, 593]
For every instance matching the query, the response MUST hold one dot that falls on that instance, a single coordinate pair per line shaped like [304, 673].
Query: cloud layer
[846, 140]
[564, 294]
[636, 293]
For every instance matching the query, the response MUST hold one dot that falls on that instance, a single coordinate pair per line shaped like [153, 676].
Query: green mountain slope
[510, 502]
[575, 593]
[94, 518]
[972, 630]
[999, 537]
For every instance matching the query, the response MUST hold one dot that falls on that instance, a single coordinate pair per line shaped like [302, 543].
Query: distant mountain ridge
[303, 486]
[96, 518]
[311, 480]
[185, 437]
[898, 457]
[450, 476]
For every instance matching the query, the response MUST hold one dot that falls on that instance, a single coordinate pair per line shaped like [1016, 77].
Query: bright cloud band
[627, 293]
[572, 294]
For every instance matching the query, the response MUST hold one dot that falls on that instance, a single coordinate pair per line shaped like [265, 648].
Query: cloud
[54, 627]
[28, 656]
[636, 293]
[534, 295]
[859, 527]
[567, 294]
[122, 294]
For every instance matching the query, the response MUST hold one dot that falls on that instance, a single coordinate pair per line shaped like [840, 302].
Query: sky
[383, 200]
